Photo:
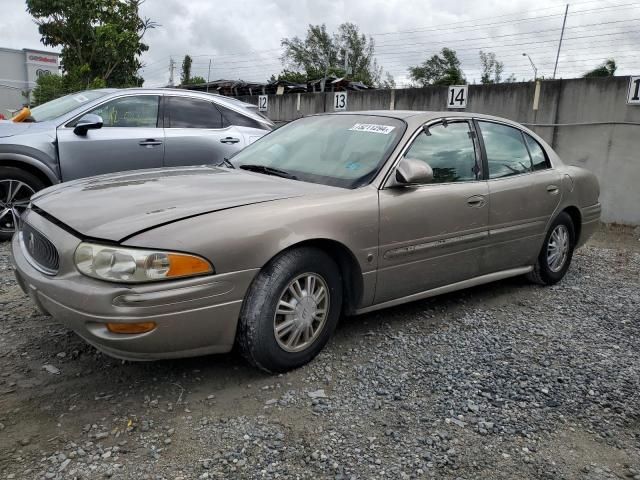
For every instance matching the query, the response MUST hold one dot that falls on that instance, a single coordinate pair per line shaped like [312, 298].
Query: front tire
[290, 310]
[556, 253]
[16, 188]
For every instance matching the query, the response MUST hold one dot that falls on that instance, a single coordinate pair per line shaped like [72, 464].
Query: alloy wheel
[14, 199]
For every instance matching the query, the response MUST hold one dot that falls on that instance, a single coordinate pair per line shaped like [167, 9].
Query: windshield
[62, 105]
[339, 150]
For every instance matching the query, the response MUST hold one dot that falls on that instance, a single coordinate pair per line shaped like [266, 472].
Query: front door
[434, 235]
[129, 139]
[523, 195]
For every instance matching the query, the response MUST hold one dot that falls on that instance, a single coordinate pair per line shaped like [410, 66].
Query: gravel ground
[502, 381]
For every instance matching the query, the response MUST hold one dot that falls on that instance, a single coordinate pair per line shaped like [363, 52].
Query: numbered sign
[457, 96]
[633, 97]
[263, 102]
[340, 101]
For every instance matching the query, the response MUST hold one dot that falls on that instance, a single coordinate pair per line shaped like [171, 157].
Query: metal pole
[535, 70]
[208, 75]
[564, 22]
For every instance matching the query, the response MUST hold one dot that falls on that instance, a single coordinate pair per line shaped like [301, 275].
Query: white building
[19, 70]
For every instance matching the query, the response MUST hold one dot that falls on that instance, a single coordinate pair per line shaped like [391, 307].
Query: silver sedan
[330, 215]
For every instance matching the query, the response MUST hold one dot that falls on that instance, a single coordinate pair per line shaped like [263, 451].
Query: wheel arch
[353, 284]
[30, 165]
[576, 218]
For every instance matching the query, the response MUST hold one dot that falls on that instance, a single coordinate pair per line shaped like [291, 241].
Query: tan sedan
[329, 215]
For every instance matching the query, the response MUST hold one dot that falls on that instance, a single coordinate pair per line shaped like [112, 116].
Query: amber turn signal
[143, 327]
[186, 265]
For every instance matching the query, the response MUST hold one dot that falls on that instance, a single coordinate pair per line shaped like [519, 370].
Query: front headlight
[134, 265]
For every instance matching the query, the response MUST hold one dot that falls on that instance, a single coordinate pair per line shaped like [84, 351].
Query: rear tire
[16, 187]
[556, 253]
[298, 291]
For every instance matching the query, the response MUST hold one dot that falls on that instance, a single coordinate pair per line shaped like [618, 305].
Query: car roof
[247, 108]
[414, 117]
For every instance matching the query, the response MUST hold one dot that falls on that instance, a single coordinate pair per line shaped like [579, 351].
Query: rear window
[184, 112]
[538, 157]
[231, 117]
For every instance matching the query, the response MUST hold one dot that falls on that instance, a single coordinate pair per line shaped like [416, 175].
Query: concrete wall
[610, 148]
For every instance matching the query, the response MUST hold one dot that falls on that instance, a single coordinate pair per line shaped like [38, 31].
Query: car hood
[116, 206]
[9, 128]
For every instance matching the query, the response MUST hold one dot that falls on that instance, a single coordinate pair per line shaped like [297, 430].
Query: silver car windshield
[63, 105]
[339, 150]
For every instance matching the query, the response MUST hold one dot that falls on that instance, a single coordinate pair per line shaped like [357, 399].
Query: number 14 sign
[457, 97]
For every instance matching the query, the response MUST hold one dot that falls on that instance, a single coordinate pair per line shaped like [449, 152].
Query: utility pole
[326, 71]
[172, 67]
[208, 75]
[535, 70]
[564, 22]
[346, 62]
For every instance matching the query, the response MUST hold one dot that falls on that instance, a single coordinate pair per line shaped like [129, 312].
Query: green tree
[185, 77]
[321, 51]
[99, 39]
[197, 80]
[290, 76]
[607, 69]
[491, 68]
[49, 87]
[443, 69]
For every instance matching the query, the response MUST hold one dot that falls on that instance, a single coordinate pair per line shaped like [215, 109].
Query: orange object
[21, 115]
[182, 265]
[129, 328]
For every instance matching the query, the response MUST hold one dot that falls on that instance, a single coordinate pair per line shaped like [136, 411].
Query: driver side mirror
[88, 122]
[411, 171]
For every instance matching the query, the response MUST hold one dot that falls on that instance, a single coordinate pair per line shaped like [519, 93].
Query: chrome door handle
[230, 140]
[149, 142]
[552, 189]
[476, 201]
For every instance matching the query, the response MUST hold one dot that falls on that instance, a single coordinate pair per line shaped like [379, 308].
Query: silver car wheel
[558, 248]
[301, 312]
[14, 199]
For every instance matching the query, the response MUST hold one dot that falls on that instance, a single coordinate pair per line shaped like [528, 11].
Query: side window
[184, 112]
[231, 117]
[506, 152]
[135, 111]
[538, 157]
[449, 151]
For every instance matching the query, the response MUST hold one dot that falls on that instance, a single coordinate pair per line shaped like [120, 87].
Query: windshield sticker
[352, 166]
[372, 128]
[80, 98]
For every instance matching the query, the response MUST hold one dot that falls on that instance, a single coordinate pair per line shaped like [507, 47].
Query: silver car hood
[116, 206]
[9, 128]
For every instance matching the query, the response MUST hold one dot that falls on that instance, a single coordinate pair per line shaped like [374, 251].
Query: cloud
[243, 37]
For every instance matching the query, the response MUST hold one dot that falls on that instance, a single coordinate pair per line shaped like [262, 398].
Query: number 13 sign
[457, 97]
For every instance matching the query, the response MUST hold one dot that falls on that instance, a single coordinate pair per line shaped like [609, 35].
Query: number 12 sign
[263, 103]
[633, 97]
[457, 97]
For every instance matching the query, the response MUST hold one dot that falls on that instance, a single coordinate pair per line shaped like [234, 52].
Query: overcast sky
[242, 38]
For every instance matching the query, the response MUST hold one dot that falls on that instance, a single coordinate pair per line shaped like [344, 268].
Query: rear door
[196, 132]
[250, 129]
[524, 192]
[129, 139]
